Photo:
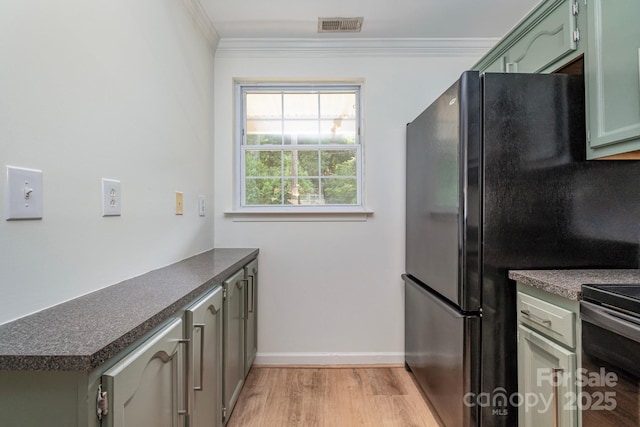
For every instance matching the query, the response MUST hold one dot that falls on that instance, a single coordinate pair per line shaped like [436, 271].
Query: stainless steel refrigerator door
[442, 350]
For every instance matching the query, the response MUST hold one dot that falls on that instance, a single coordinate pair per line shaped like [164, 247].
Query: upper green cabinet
[612, 76]
[546, 40]
[548, 36]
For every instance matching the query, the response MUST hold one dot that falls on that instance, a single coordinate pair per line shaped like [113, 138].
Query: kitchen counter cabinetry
[550, 336]
[548, 349]
[153, 343]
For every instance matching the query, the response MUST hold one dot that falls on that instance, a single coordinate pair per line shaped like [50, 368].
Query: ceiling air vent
[339, 25]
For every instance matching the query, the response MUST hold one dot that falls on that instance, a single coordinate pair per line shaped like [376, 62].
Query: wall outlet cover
[111, 197]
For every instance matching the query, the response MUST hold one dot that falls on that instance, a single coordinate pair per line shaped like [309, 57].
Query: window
[299, 147]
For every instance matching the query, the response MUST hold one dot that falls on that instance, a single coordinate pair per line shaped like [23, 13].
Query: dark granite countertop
[82, 334]
[568, 283]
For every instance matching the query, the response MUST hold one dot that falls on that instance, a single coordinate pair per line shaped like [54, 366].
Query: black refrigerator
[497, 180]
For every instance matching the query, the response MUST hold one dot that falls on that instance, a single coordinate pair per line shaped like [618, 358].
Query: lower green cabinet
[203, 327]
[549, 346]
[546, 378]
[233, 341]
[147, 388]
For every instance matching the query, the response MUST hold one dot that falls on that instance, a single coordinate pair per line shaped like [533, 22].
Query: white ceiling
[382, 18]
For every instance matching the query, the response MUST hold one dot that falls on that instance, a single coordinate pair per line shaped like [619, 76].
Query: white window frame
[241, 147]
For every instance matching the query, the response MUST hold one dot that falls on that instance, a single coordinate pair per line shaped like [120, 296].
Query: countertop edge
[568, 283]
[87, 362]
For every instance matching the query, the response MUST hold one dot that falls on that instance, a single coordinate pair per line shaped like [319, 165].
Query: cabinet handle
[201, 327]
[187, 397]
[556, 372]
[253, 300]
[245, 316]
[536, 319]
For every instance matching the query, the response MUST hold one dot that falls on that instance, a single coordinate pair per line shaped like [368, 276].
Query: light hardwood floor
[331, 397]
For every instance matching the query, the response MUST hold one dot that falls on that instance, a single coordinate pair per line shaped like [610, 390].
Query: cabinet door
[613, 76]
[251, 324]
[233, 337]
[204, 330]
[146, 388]
[546, 382]
[548, 40]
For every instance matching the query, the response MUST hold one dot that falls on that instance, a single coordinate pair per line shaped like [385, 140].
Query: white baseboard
[300, 359]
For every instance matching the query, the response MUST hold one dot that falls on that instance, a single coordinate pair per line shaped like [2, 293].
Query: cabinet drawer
[549, 319]
[545, 42]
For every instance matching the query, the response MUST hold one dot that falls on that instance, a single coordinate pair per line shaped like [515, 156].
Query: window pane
[264, 139]
[263, 163]
[263, 191]
[338, 105]
[340, 191]
[301, 127]
[261, 132]
[300, 163]
[338, 162]
[338, 131]
[301, 105]
[264, 106]
[302, 191]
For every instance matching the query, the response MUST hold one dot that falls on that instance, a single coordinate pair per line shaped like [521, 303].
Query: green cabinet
[148, 386]
[203, 329]
[548, 36]
[233, 341]
[251, 308]
[546, 377]
[612, 71]
[546, 40]
[548, 357]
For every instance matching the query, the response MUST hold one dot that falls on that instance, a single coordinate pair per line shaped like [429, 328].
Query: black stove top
[625, 297]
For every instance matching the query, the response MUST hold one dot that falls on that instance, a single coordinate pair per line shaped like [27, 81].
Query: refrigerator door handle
[446, 307]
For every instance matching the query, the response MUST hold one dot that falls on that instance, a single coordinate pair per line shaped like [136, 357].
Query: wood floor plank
[331, 397]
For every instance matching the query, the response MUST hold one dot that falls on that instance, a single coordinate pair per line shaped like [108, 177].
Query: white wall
[330, 292]
[117, 89]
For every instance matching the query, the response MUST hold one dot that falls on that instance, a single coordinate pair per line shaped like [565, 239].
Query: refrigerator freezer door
[440, 342]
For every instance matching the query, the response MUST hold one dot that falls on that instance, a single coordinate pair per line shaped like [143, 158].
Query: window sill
[334, 214]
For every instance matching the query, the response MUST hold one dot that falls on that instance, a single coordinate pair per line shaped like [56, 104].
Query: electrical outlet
[111, 197]
[201, 208]
[179, 203]
[23, 193]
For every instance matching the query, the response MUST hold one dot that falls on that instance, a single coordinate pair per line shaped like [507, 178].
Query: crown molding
[203, 22]
[289, 47]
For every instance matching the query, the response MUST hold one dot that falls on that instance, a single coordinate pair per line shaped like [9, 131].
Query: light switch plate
[201, 205]
[23, 193]
[179, 203]
[111, 197]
